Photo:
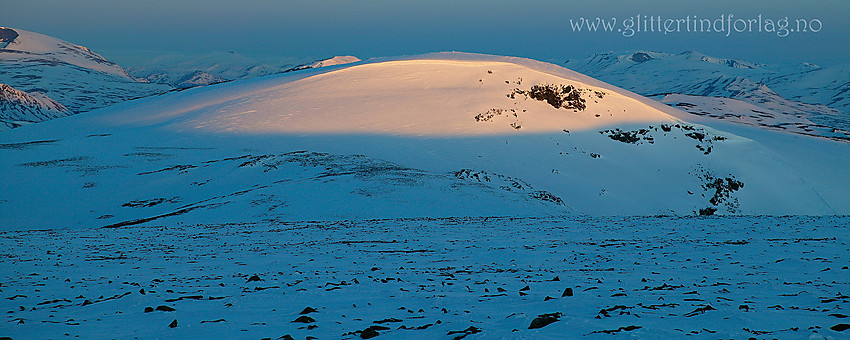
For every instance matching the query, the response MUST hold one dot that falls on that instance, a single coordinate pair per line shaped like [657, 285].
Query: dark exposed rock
[308, 310]
[630, 137]
[840, 327]
[7, 35]
[254, 278]
[173, 324]
[559, 96]
[567, 292]
[700, 310]
[621, 329]
[214, 321]
[465, 332]
[370, 332]
[544, 320]
[640, 57]
[546, 196]
[708, 211]
[304, 319]
[165, 309]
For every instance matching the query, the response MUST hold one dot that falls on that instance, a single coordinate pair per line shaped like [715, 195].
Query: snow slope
[78, 78]
[800, 90]
[742, 112]
[447, 134]
[35, 47]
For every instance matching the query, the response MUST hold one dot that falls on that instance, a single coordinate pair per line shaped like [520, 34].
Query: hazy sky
[370, 28]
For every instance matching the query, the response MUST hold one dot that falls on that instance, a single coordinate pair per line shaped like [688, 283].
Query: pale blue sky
[370, 28]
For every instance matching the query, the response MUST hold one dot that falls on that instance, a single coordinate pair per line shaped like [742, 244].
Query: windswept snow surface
[488, 278]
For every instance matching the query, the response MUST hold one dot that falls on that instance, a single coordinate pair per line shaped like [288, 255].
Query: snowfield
[445, 196]
[445, 278]
[438, 135]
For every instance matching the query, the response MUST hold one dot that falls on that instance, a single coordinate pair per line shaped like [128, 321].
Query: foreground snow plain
[490, 278]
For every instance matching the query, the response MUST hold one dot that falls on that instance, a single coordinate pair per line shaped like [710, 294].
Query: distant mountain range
[189, 71]
[45, 77]
[818, 94]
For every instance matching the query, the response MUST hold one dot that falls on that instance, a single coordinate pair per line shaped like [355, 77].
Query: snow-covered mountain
[168, 67]
[798, 90]
[198, 78]
[337, 60]
[35, 47]
[78, 78]
[184, 71]
[447, 134]
[18, 107]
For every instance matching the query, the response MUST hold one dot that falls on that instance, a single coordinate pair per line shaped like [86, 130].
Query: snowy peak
[34, 47]
[337, 60]
[733, 63]
[626, 59]
[197, 78]
[18, 107]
